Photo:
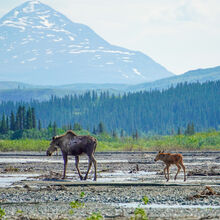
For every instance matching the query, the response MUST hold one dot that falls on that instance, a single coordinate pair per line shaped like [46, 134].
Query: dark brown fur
[71, 144]
[169, 159]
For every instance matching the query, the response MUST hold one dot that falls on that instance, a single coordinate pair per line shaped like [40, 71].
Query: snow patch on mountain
[137, 72]
[32, 59]
[45, 22]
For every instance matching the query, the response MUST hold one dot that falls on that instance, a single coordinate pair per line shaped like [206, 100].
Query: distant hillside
[42, 94]
[30, 94]
[7, 85]
[91, 86]
[15, 91]
[199, 75]
[14, 85]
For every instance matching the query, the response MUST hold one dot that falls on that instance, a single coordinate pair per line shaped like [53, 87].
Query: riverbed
[31, 186]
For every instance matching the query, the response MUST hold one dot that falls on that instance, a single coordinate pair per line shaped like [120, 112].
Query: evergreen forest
[147, 112]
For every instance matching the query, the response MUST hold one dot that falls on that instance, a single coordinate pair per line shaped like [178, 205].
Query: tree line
[23, 124]
[23, 119]
[146, 112]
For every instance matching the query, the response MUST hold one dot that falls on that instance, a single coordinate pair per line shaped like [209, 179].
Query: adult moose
[169, 159]
[72, 144]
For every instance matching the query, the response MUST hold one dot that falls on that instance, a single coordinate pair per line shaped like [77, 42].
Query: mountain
[199, 75]
[39, 45]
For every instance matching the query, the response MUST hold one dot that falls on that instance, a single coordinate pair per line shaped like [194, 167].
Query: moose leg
[184, 170]
[95, 167]
[89, 167]
[164, 170]
[65, 159]
[77, 167]
[179, 168]
[168, 172]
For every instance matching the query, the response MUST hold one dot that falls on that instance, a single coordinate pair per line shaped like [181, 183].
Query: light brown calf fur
[169, 159]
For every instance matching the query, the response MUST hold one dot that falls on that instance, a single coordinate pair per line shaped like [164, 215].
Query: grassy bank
[199, 141]
[23, 145]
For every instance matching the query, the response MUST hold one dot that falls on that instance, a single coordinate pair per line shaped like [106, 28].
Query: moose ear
[162, 151]
[159, 152]
[53, 138]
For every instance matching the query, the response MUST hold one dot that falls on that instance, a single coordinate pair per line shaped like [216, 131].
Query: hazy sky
[179, 34]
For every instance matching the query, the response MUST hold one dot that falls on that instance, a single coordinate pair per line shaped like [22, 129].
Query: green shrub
[76, 204]
[2, 213]
[95, 216]
[139, 214]
[145, 199]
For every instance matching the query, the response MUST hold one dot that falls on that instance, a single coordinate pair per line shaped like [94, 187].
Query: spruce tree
[94, 130]
[12, 121]
[39, 125]
[3, 124]
[54, 129]
[101, 128]
[7, 124]
[136, 135]
[77, 127]
[49, 125]
[179, 131]
[28, 120]
[122, 133]
[187, 131]
[23, 117]
[34, 124]
[114, 134]
[192, 129]
[18, 121]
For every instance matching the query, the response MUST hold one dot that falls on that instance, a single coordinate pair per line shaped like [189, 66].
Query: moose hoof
[63, 178]
[94, 179]
[81, 178]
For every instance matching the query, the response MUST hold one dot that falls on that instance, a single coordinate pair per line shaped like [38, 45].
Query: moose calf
[169, 159]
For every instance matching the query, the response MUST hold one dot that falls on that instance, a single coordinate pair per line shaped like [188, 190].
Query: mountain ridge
[16, 91]
[198, 75]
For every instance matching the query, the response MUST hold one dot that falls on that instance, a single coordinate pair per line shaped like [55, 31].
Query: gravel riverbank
[43, 195]
[112, 202]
